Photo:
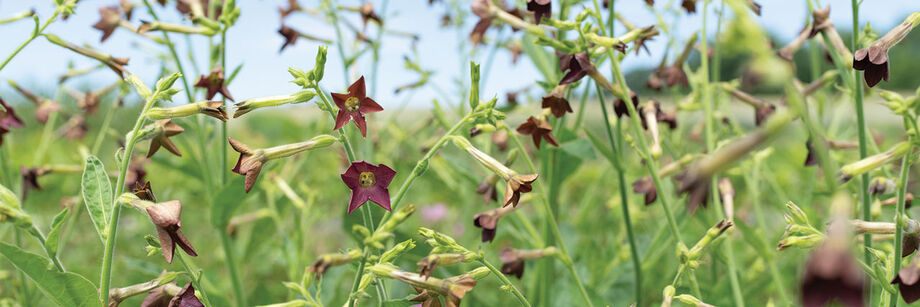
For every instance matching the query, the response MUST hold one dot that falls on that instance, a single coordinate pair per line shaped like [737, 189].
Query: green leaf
[97, 194]
[231, 197]
[51, 242]
[64, 289]
[600, 146]
[581, 148]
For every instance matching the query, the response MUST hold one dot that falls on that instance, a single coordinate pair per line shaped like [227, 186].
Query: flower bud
[213, 109]
[249, 105]
[870, 163]
[320, 65]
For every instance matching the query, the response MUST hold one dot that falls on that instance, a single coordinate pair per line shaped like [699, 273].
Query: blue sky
[254, 42]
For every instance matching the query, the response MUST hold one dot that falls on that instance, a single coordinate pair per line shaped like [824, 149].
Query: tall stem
[514, 290]
[35, 33]
[865, 200]
[899, 218]
[551, 218]
[235, 278]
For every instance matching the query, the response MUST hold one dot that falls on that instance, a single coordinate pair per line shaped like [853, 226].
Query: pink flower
[368, 182]
[354, 105]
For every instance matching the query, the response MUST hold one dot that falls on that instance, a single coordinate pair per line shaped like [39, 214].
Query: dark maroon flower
[249, 164]
[538, 129]
[500, 139]
[486, 188]
[488, 221]
[290, 36]
[762, 112]
[908, 200]
[186, 298]
[479, 30]
[165, 216]
[754, 7]
[645, 186]
[8, 120]
[811, 158]
[214, 83]
[30, 178]
[354, 105]
[515, 186]
[512, 264]
[874, 61]
[674, 75]
[165, 129]
[540, 8]
[157, 297]
[557, 104]
[578, 65]
[696, 188]
[109, 18]
[831, 274]
[689, 6]
[193, 8]
[136, 171]
[620, 108]
[909, 243]
[907, 281]
[368, 182]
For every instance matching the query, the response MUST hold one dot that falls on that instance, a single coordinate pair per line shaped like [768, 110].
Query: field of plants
[743, 170]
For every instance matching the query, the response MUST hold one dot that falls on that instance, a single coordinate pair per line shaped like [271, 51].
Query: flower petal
[368, 105]
[380, 196]
[341, 119]
[357, 89]
[350, 177]
[339, 99]
[384, 175]
[361, 123]
[358, 197]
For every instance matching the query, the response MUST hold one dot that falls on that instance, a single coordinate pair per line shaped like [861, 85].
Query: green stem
[35, 33]
[45, 139]
[865, 201]
[227, 244]
[37, 233]
[618, 165]
[195, 277]
[899, 217]
[551, 218]
[504, 279]
[106, 123]
[112, 231]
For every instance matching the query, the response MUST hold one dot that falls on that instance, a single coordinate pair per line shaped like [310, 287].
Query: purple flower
[578, 65]
[109, 18]
[186, 298]
[165, 216]
[8, 119]
[557, 104]
[214, 83]
[831, 274]
[165, 129]
[368, 182]
[538, 129]
[540, 8]
[907, 281]
[354, 105]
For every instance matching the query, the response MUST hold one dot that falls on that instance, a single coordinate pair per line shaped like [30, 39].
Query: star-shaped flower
[578, 65]
[354, 105]
[109, 18]
[214, 83]
[557, 104]
[368, 182]
[165, 129]
[539, 129]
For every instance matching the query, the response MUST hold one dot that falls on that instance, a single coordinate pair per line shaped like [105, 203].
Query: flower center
[352, 104]
[367, 179]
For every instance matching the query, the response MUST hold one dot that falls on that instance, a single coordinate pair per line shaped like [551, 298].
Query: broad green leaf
[600, 146]
[51, 242]
[97, 194]
[64, 289]
[581, 148]
[231, 197]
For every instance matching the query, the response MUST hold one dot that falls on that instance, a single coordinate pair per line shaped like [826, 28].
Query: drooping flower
[368, 182]
[214, 83]
[515, 183]
[513, 259]
[293, 6]
[186, 298]
[164, 129]
[557, 104]
[136, 171]
[43, 107]
[8, 120]
[354, 105]
[645, 186]
[109, 18]
[689, 6]
[143, 191]
[30, 178]
[367, 13]
[157, 297]
[251, 160]
[874, 59]
[907, 281]
[831, 274]
[431, 262]
[74, 128]
[165, 216]
[538, 129]
[326, 261]
[488, 221]
[576, 66]
[540, 8]
[127, 7]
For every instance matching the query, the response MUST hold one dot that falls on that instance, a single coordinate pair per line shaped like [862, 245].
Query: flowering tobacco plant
[574, 182]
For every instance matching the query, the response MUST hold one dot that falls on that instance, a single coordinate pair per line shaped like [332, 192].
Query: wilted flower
[516, 183]
[330, 260]
[75, 128]
[43, 107]
[881, 185]
[8, 120]
[109, 18]
[513, 259]
[186, 297]
[832, 274]
[620, 108]
[166, 218]
[143, 191]
[907, 281]
[251, 160]
[354, 105]
[787, 51]
[368, 182]
[540, 8]
[500, 139]
[488, 221]
[874, 60]
[645, 186]
[214, 83]
[538, 129]
[822, 23]
[577, 66]
[213, 108]
[556, 103]
[163, 130]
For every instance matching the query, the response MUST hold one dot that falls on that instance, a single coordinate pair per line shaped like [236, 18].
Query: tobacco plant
[338, 197]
